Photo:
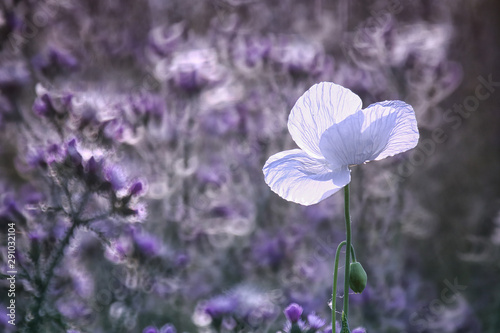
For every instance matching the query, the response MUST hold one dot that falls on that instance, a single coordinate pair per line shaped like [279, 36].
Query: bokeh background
[133, 134]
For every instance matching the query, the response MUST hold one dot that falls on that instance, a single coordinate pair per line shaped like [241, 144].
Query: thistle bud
[293, 312]
[357, 277]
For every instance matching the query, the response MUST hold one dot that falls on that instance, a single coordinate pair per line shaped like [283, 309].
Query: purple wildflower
[359, 330]
[150, 329]
[293, 312]
[136, 188]
[221, 305]
[147, 244]
[315, 321]
[168, 328]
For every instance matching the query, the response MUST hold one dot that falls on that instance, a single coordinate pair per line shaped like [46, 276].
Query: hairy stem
[335, 276]
[54, 259]
[345, 311]
[33, 325]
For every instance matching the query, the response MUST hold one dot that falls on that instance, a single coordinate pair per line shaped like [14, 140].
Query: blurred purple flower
[6, 108]
[298, 57]
[150, 329]
[74, 308]
[94, 172]
[191, 70]
[146, 104]
[210, 175]
[165, 39]
[220, 109]
[251, 50]
[221, 211]
[4, 317]
[14, 74]
[50, 104]
[315, 321]
[243, 303]
[168, 328]
[147, 244]
[37, 235]
[74, 156]
[136, 188]
[116, 177]
[327, 122]
[12, 209]
[119, 249]
[221, 305]
[43, 106]
[293, 312]
[182, 260]
[359, 330]
[54, 59]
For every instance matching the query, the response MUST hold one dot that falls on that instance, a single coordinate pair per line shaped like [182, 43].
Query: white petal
[392, 127]
[297, 177]
[381, 130]
[320, 107]
[342, 143]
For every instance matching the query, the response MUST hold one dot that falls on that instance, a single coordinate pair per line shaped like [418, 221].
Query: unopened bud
[357, 277]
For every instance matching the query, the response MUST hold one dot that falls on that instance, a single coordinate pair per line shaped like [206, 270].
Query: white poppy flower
[333, 132]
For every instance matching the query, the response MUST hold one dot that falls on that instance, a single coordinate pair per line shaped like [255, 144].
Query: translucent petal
[381, 130]
[342, 143]
[320, 107]
[298, 177]
[396, 118]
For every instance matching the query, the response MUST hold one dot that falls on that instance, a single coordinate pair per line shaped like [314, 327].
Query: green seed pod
[357, 277]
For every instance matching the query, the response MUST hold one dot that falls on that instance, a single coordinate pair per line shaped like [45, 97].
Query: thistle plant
[334, 134]
[83, 192]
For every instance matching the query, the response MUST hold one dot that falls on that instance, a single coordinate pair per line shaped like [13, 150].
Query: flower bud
[74, 156]
[136, 188]
[357, 277]
[293, 312]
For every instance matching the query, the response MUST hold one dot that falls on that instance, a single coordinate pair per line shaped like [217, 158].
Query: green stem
[334, 292]
[353, 254]
[335, 275]
[345, 311]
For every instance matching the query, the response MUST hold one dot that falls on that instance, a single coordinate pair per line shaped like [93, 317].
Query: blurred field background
[189, 99]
